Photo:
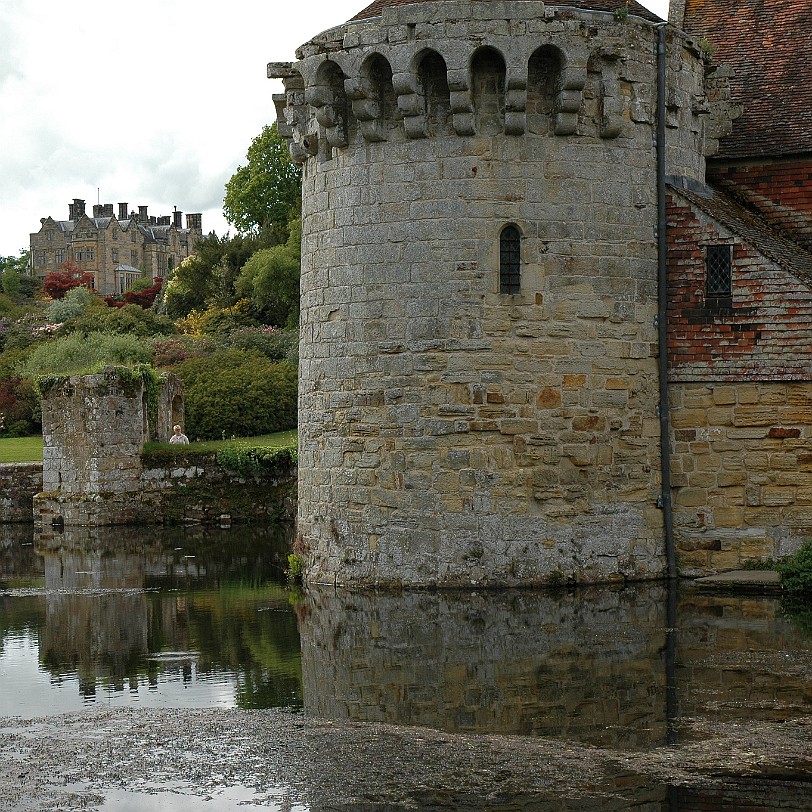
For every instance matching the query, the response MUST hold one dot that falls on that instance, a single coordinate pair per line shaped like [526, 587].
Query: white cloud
[153, 103]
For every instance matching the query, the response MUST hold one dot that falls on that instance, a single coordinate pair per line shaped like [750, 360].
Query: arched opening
[330, 101]
[510, 260]
[543, 87]
[488, 85]
[432, 77]
[378, 72]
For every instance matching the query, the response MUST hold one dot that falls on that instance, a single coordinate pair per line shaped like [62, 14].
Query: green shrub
[77, 353]
[131, 320]
[272, 342]
[274, 461]
[796, 571]
[235, 393]
[72, 305]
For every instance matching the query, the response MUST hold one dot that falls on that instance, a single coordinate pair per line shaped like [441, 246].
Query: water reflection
[585, 665]
[596, 665]
[194, 619]
[158, 618]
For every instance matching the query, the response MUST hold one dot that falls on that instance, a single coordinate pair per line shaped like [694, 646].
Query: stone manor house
[114, 249]
[556, 294]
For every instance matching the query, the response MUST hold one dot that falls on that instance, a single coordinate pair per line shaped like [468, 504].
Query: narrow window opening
[718, 271]
[510, 260]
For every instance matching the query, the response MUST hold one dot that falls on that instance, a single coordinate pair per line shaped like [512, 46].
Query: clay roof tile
[769, 44]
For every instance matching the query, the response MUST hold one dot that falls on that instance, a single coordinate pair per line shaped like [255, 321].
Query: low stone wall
[18, 484]
[741, 471]
[185, 490]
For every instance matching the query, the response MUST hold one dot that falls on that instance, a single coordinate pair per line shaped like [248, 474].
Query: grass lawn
[29, 449]
[21, 449]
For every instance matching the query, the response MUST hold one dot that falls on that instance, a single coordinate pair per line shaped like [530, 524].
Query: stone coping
[741, 581]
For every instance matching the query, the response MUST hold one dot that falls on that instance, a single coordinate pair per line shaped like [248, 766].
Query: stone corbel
[611, 118]
[570, 99]
[366, 108]
[410, 104]
[515, 105]
[462, 106]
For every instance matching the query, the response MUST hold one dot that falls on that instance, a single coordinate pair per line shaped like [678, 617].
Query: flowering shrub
[168, 352]
[20, 407]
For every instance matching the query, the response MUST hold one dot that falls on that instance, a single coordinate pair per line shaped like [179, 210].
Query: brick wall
[764, 333]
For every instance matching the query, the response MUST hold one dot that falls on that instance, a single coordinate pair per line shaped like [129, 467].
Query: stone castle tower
[479, 374]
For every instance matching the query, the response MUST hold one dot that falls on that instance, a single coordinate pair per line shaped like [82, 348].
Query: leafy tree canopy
[266, 192]
[271, 280]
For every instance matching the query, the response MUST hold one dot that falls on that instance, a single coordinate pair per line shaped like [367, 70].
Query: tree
[13, 270]
[271, 280]
[265, 193]
[70, 275]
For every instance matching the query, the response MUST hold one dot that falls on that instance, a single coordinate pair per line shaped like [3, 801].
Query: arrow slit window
[510, 260]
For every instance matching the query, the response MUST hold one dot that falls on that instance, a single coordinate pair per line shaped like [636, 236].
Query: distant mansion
[116, 250]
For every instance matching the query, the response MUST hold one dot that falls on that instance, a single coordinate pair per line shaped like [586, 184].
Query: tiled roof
[750, 226]
[769, 43]
[377, 7]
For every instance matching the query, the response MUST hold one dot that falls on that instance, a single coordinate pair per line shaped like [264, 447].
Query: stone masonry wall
[741, 471]
[451, 433]
[18, 484]
[184, 491]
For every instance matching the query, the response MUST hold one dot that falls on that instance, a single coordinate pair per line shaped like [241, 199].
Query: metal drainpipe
[662, 304]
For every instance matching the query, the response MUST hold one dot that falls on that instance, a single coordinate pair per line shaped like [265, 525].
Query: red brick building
[740, 295]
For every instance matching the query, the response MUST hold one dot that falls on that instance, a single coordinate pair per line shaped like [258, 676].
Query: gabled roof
[750, 226]
[377, 7]
[769, 44]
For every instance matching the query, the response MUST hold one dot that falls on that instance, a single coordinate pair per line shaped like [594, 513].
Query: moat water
[201, 619]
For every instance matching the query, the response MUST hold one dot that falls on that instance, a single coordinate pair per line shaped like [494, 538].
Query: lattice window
[510, 260]
[718, 271]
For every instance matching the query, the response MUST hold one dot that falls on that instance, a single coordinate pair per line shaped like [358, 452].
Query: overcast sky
[150, 103]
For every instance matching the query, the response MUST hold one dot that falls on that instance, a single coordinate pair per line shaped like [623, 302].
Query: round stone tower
[479, 381]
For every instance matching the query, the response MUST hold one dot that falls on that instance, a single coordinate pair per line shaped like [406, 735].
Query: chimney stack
[107, 210]
[178, 215]
[143, 217]
[76, 209]
[122, 211]
[194, 222]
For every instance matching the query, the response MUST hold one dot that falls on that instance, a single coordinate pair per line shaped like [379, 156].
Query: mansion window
[510, 260]
[79, 254]
[60, 256]
[115, 255]
[161, 263]
[718, 271]
[133, 258]
[40, 257]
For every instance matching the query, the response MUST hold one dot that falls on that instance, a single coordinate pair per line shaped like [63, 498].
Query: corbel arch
[545, 70]
[372, 94]
[488, 73]
[328, 98]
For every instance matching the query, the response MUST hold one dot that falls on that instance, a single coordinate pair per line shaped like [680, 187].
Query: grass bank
[29, 449]
[21, 449]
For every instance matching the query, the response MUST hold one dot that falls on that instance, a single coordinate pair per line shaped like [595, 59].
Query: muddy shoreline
[76, 761]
